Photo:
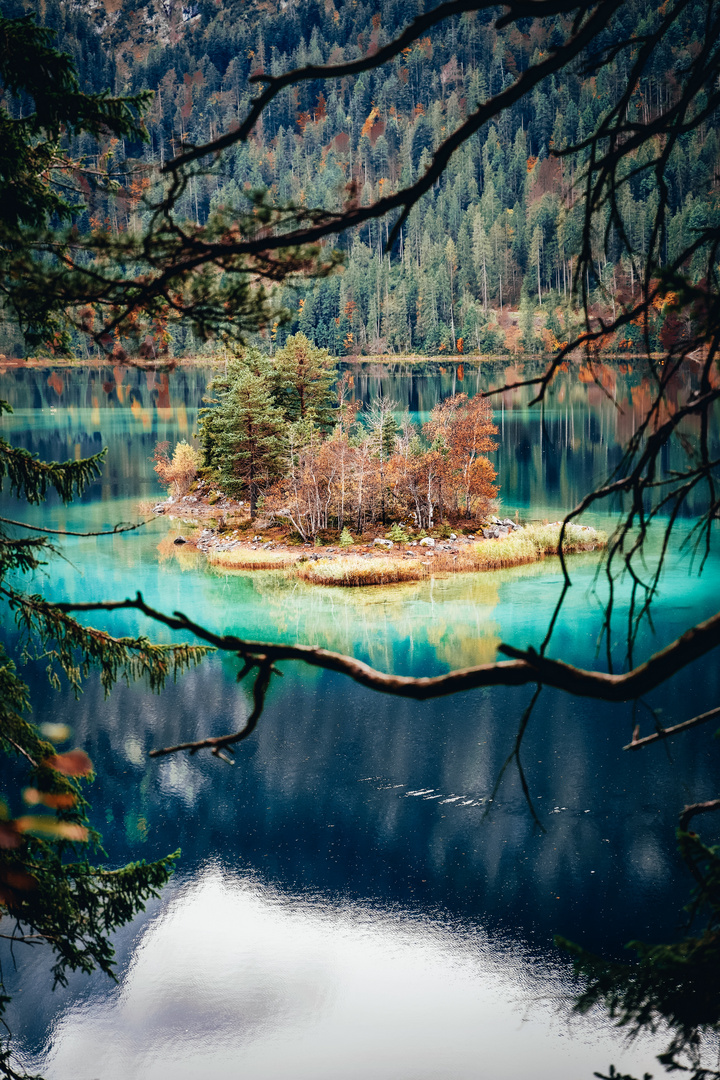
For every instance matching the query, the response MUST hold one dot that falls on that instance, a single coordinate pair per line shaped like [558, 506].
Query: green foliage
[302, 377]
[346, 539]
[675, 984]
[40, 184]
[526, 322]
[30, 479]
[243, 431]
[496, 224]
[397, 534]
[30, 144]
[48, 886]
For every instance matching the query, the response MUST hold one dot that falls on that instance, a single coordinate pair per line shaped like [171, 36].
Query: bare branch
[221, 742]
[690, 811]
[527, 666]
[420, 25]
[667, 733]
[121, 527]
[406, 198]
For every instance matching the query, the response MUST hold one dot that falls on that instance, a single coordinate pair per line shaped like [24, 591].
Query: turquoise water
[344, 905]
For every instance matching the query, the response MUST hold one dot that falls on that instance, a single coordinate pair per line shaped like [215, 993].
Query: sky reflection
[233, 978]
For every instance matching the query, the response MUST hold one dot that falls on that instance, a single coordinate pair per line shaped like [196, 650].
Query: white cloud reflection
[232, 979]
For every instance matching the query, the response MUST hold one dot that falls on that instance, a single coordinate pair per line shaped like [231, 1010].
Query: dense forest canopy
[501, 228]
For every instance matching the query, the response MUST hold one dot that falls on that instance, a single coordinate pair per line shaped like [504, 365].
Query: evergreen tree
[48, 886]
[526, 320]
[302, 375]
[243, 434]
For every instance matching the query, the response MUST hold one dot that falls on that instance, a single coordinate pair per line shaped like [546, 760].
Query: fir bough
[50, 890]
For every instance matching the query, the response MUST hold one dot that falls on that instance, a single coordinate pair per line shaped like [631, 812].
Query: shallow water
[345, 905]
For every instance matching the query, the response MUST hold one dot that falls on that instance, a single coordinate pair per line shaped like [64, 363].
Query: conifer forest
[496, 234]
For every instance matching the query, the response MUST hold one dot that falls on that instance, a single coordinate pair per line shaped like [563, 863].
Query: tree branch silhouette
[525, 667]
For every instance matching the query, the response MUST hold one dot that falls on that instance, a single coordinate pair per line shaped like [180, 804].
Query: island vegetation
[280, 436]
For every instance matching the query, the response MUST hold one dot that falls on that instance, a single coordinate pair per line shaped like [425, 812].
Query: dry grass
[528, 546]
[354, 570]
[248, 559]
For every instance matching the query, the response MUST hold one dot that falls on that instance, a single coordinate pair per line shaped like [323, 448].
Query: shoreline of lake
[385, 359]
[379, 560]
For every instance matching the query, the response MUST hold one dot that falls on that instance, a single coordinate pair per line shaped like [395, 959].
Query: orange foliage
[320, 108]
[464, 426]
[372, 117]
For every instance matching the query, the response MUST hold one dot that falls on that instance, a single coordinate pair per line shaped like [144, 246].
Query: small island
[291, 475]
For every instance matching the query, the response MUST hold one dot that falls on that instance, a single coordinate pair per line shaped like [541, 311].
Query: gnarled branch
[526, 666]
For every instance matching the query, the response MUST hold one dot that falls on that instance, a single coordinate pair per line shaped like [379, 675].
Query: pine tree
[302, 377]
[536, 245]
[48, 887]
[243, 435]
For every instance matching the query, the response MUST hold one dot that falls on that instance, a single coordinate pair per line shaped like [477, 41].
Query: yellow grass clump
[529, 545]
[247, 559]
[354, 570]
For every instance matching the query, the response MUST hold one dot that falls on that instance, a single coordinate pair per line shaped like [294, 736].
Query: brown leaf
[74, 763]
[9, 837]
[18, 879]
[58, 801]
[48, 826]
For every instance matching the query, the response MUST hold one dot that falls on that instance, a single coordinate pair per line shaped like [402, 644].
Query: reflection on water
[236, 979]
[547, 456]
[367, 910]
[453, 615]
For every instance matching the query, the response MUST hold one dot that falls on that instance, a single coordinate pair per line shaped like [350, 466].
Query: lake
[348, 902]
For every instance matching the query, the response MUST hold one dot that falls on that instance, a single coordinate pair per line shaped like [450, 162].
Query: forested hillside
[497, 233]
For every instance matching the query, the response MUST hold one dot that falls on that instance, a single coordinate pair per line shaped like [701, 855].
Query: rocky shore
[220, 529]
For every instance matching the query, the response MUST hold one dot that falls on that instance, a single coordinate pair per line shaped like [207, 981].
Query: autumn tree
[629, 139]
[382, 428]
[179, 470]
[465, 428]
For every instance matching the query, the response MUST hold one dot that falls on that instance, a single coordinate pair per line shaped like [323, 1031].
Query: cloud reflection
[235, 979]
